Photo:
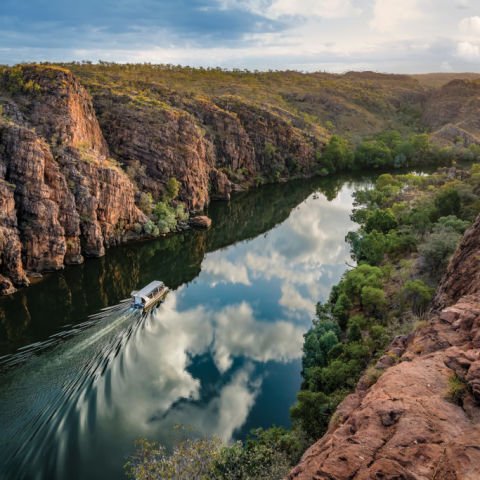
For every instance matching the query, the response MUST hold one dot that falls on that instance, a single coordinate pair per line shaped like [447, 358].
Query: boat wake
[48, 397]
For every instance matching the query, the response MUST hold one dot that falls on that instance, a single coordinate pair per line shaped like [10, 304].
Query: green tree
[447, 202]
[373, 154]
[373, 300]
[338, 154]
[381, 220]
[417, 296]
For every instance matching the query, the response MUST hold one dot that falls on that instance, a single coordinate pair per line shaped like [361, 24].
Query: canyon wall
[62, 197]
[421, 419]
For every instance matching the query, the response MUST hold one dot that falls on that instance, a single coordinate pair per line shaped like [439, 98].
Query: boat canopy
[148, 292]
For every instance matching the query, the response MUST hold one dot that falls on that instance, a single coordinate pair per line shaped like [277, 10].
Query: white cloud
[225, 413]
[391, 15]
[470, 25]
[468, 51]
[275, 9]
[307, 8]
[293, 300]
[224, 271]
[237, 333]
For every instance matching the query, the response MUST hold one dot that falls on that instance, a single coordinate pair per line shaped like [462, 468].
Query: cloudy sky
[332, 35]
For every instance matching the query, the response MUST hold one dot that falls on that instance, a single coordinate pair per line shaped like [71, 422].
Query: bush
[368, 247]
[338, 154]
[447, 202]
[373, 300]
[256, 459]
[151, 229]
[165, 216]
[417, 296]
[381, 220]
[313, 411]
[145, 203]
[361, 276]
[457, 389]
[342, 309]
[172, 189]
[436, 251]
[451, 223]
[190, 460]
[373, 154]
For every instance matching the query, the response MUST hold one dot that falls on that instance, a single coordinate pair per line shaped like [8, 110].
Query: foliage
[145, 203]
[437, 249]
[189, 460]
[165, 217]
[447, 202]
[417, 295]
[14, 81]
[457, 389]
[264, 455]
[172, 189]
[337, 155]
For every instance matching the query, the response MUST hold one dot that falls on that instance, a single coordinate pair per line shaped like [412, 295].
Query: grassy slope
[354, 104]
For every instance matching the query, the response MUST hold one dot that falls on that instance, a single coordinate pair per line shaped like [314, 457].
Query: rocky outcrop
[421, 420]
[63, 197]
[201, 222]
[463, 274]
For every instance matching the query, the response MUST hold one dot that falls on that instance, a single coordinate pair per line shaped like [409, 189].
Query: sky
[401, 36]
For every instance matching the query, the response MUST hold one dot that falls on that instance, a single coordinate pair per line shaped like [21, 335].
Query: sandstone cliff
[410, 424]
[63, 199]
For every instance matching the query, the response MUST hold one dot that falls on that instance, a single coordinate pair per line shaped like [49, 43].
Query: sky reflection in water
[221, 355]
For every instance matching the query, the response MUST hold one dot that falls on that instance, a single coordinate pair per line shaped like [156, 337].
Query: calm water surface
[221, 355]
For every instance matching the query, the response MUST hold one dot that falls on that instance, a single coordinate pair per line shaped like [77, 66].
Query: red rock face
[406, 426]
[211, 146]
[62, 198]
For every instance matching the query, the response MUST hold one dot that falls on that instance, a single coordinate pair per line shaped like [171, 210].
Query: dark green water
[221, 355]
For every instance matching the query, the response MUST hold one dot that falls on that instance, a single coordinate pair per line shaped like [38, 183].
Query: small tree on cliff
[172, 189]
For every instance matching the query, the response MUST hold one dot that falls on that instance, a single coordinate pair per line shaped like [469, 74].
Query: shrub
[172, 189]
[359, 277]
[451, 223]
[165, 216]
[181, 213]
[447, 202]
[436, 251]
[338, 154]
[342, 309]
[373, 154]
[145, 203]
[381, 220]
[417, 295]
[189, 460]
[457, 389]
[373, 300]
[367, 247]
[313, 411]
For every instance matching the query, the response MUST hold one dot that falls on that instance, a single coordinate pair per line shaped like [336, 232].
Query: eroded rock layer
[411, 425]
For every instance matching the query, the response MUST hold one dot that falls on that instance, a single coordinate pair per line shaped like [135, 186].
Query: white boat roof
[144, 292]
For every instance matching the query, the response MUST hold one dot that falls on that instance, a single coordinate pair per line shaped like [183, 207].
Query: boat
[149, 296]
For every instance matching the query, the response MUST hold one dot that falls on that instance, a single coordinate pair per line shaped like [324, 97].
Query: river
[82, 375]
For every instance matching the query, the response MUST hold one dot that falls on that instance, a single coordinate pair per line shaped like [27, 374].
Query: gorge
[94, 156]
